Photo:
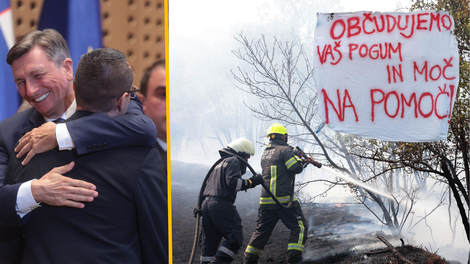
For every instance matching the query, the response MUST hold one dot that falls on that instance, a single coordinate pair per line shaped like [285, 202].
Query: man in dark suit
[127, 222]
[43, 72]
[153, 97]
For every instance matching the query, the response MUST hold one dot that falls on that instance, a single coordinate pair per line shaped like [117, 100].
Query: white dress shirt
[162, 144]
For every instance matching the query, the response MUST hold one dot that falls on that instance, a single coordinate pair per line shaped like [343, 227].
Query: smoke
[337, 231]
[434, 233]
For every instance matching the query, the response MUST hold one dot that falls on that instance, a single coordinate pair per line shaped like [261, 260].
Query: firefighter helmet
[276, 129]
[242, 146]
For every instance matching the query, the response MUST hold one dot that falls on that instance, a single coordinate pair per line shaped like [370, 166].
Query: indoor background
[135, 27]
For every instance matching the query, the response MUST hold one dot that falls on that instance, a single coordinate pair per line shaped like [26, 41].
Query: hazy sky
[193, 17]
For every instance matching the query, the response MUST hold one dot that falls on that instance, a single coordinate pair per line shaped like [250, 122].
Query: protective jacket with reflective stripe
[225, 180]
[279, 165]
[220, 217]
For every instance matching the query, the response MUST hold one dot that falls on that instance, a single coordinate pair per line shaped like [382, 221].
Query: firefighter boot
[224, 255]
[294, 256]
[250, 258]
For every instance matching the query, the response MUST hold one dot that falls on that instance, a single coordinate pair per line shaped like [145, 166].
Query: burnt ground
[338, 233]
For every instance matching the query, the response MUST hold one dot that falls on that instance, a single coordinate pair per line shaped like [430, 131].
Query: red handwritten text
[375, 51]
[435, 72]
[405, 24]
[395, 72]
[328, 51]
[342, 105]
[425, 104]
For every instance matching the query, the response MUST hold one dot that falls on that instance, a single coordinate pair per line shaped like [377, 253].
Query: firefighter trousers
[220, 220]
[292, 218]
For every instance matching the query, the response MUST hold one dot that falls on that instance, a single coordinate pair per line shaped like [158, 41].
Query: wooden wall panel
[25, 15]
[137, 28]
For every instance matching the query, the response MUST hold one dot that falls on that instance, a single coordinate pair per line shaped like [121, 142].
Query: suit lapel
[35, 119]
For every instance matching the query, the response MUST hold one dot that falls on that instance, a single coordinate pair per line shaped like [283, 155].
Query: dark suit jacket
[163, 155]
[126, 223]
[93, 133]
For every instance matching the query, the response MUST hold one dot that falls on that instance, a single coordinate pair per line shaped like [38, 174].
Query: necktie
[59, 120]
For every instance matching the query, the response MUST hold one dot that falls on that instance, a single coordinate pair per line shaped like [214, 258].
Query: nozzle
[316, 164]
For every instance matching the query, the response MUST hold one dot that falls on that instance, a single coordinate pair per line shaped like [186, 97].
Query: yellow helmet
[276, 129]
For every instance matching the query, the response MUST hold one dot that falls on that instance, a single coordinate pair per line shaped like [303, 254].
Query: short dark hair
[144, 81]
[101, 76]
[50, 40]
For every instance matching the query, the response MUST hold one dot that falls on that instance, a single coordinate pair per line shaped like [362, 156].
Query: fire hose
[197, 210]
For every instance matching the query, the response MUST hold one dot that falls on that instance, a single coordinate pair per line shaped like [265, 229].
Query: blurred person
[43, 72]
[127, 222]
[24, 105]
[153, 97]
[219, 216]
[279, 166]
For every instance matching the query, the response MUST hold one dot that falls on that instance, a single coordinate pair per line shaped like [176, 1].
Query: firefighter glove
[256, 180]
[197, 212]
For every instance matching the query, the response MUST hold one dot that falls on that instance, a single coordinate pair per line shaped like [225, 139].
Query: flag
[9, 96]
[78, 21]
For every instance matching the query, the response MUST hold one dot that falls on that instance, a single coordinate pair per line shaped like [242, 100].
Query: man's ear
[121, 102]
[67, 66]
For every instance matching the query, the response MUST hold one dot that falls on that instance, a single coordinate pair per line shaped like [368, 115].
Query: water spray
[308, 160]
[356, 182]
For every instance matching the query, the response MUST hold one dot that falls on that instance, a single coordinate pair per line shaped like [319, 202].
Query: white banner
[388, 76]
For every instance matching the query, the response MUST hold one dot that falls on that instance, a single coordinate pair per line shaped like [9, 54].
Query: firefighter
[279, 166]
[219, 216]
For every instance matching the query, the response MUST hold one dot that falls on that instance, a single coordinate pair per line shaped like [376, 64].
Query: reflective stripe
[291, 162]
[206, 259]
[295, 246]
[269, 200]
[227, 251]
[253, 250]
[273, 182]
[302, 230]
[239, 185]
